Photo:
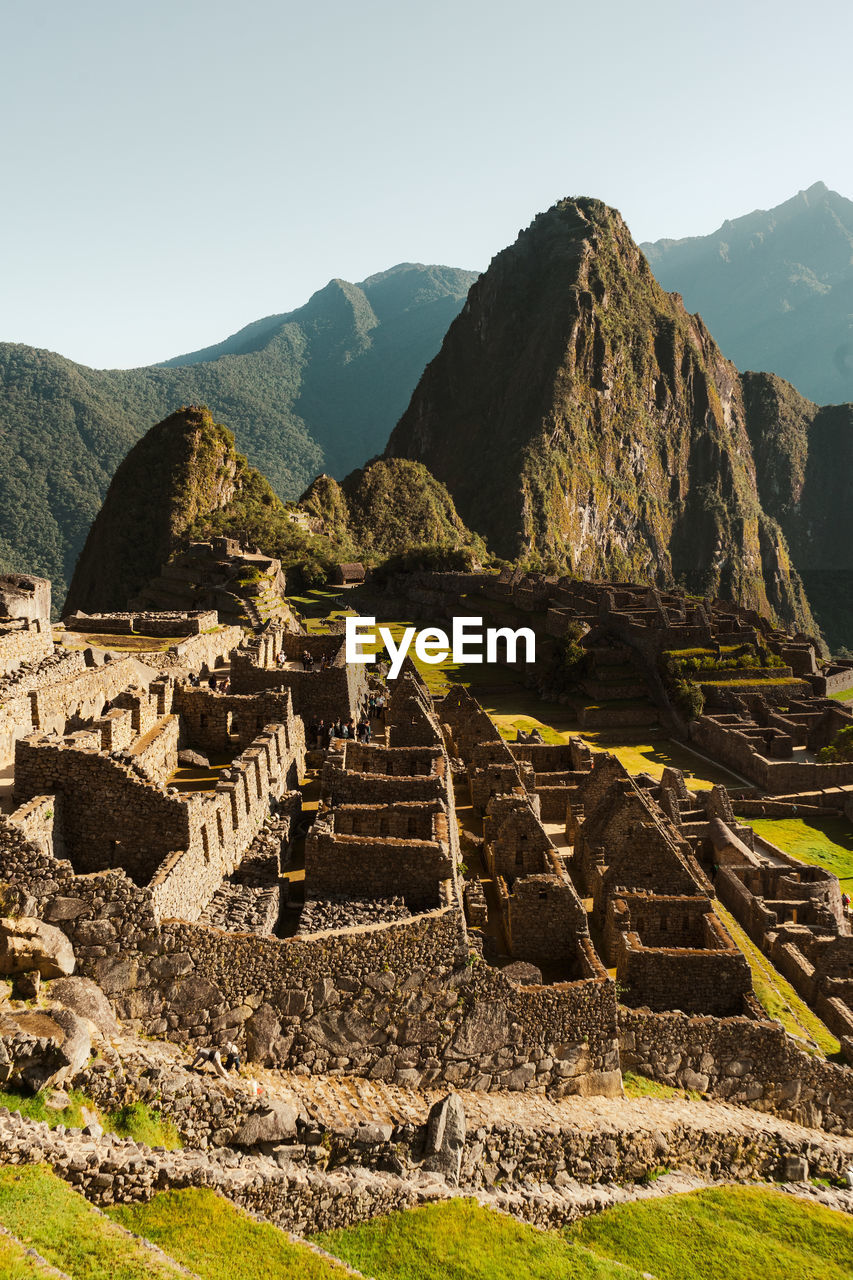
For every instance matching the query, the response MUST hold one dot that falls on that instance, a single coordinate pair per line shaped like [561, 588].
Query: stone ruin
[471, 912]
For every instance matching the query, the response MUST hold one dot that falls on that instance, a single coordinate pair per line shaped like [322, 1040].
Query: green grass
[16, 1265]
[217, 1241]
[732, 1233]
[460, 1240]
[646, 754]
[637, 1086]
[142, 1123]
[759, 680]
[822, 842]
[48, 1216]
[698, 653]
[843, 695]
[32, 1107]
[135, 1120]
[776, 995]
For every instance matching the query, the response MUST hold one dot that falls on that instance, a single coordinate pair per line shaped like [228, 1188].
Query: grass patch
[732, 1233]
[142, 1123]
[653, 755]
[460, 1240]
[637, 1086]
[217, 1241]
[509, 726]
[135, 1120]
[843, 695]
[16, 1264]
[746, 683]
[822, 842]
[48, 1216]
[123, 641]
[776, 995]
[33, 1106]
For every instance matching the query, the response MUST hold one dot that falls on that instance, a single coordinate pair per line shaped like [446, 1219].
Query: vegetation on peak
[391, 507]
[184, 481]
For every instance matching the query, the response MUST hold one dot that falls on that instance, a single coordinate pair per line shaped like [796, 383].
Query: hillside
[184, 479]
[388, 507]
[582, 420]
[313, 389]
[776, 289]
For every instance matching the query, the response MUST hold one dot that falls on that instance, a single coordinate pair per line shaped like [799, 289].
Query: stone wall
[192, 623]
[405, 1002]
[404, 820]
[82, 697]
[60, 690]
[218, 721]
[19, 645]
[40, 821]
[182, 845]
[542, 920]
[111, 816]
[706, 974]
[739, 1060]
[201, 652]
[726, 743]
[356, 866]
[335, 692]
[155, 753]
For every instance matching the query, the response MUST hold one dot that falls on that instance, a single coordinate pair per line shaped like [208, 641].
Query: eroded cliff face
[804, 464]
[580, 416]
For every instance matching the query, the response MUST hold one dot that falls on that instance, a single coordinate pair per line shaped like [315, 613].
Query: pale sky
[174, 169]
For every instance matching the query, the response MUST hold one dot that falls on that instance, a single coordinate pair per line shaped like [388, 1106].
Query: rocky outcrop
[275, 1124]
[43, 1048]
[582, 419]
[804, 461]
[184, 467]
[445, 1138]
[27, 943]
[85, 998]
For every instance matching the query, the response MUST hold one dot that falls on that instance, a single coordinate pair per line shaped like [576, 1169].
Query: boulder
[193, 760]
[85, 998]
[27, 985]
[274, 1123]
[445, 1138]
[28, 943]
[262, 1031]
[44, 1049]
[523, 973]
[342, 1032]
[483, 1031]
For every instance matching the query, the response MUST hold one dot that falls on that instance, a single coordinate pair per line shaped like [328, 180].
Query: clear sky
[173, 169]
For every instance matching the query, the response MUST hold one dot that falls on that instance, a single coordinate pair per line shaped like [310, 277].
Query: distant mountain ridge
[316, 389]
[775, 288]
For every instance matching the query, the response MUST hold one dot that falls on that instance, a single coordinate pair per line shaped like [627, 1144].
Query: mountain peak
[776, 288]
[582, 419]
